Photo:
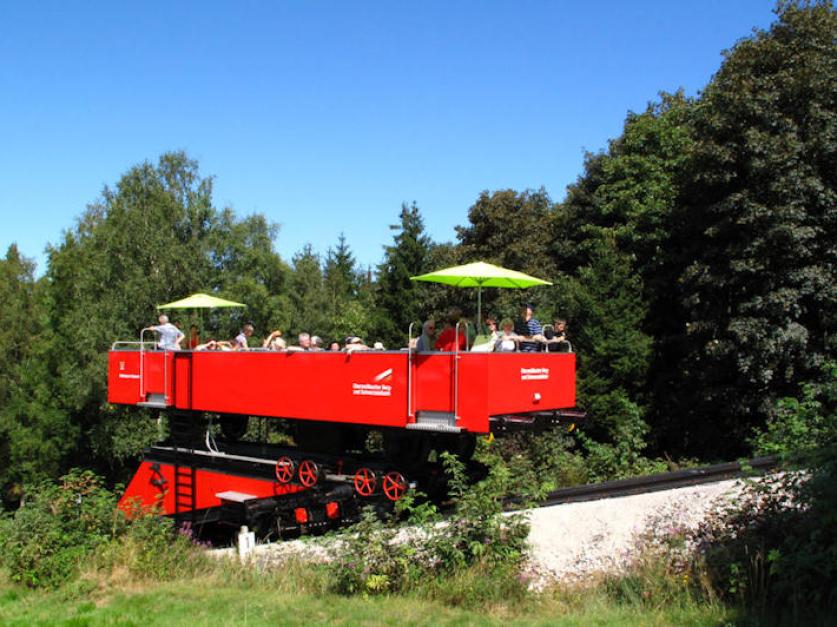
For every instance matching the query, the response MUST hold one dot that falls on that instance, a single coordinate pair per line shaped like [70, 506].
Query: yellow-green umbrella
[200, 301]
[480, 274]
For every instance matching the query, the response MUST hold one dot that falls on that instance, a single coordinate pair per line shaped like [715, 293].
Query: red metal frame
[367, 388]
[153, 486]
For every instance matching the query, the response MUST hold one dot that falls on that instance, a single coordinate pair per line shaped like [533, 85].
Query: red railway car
[419, 402]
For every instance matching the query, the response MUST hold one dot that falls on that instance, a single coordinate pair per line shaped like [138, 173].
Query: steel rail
[658, 482]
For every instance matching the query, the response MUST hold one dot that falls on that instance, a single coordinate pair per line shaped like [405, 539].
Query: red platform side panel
[132, 375]
[512, 383]
[361, 387]
[368, 388]
[153, 485]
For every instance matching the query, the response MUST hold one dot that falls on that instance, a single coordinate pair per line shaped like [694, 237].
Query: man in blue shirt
[527, 326]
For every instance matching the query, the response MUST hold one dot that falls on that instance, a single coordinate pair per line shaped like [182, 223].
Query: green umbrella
[479, 275]
[200, 301]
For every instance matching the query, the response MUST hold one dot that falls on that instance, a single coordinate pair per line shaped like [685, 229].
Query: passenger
[527, 326]
[485, 343]
[427, 338]
[214, 345]
[170, 336]
[316, 343]
[240, 341]
[334, 347]
[194, 337]
[448, 337]
[303, 343]
[561, 330]
[378, 346]
[275, 341]
[491, 323]
[354, 343]
[507, 341]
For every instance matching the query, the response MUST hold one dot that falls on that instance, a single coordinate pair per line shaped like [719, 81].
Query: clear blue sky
[326, 116]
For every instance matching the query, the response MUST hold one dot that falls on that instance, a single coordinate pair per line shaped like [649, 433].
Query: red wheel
[309, 473]
[365, 482]
[284, 469]
[394, 485]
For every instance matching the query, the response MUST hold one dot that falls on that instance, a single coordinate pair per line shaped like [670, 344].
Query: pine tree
[309, 300]
[608, 308]
[396, 296]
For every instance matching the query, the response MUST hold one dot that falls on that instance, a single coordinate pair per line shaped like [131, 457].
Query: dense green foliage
[694, 258]
[759, 214]
[73, 525]
[375, 559]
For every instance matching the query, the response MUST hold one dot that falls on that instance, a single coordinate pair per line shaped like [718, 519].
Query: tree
[607, 306]
[246, 268]
[514, 230]
[759, 222]
[396, 297]
[625, 204]
[153, 238]
[309, 300]
[34, 433]
[340, 273]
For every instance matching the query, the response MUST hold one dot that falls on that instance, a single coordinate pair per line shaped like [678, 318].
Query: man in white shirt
[170, 336]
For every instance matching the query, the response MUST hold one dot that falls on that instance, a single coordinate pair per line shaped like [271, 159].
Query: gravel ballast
[571, 541]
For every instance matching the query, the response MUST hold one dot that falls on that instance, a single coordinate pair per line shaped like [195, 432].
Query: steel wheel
[365, 482]
[285, 469]
[309, 473]
[394, 485]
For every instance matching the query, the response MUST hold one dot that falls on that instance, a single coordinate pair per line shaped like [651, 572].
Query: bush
[776, 547]
[538, 462]
[802, 425]
[376, 557]
[150, 548]
[66, 527]
[58, 526]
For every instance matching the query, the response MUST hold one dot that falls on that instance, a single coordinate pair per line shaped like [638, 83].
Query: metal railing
[410, 412]
[456, 358]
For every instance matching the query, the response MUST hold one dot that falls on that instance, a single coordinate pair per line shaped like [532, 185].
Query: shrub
[375, 557]
[59, 525]
[538, 462]
[150, 548]
[66, 527]
[802, 425]
[775, 549]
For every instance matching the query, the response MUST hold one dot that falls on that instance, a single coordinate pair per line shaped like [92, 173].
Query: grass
[295, 597]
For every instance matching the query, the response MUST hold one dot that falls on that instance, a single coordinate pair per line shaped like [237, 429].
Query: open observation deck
[449, 392]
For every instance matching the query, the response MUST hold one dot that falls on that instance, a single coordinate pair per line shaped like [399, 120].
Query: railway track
[662, 481]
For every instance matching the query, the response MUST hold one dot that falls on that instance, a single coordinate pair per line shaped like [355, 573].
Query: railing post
[410, 413]
[456, 369]
[142, 363]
